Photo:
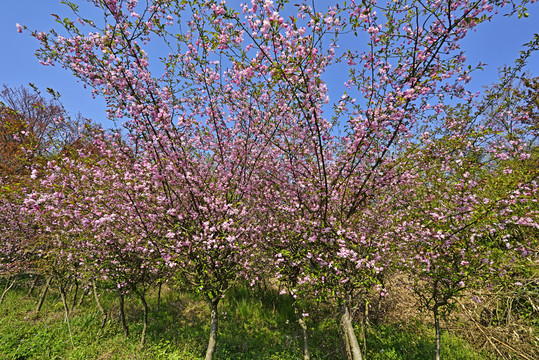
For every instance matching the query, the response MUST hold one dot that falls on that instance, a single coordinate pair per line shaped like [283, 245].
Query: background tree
[34, 124]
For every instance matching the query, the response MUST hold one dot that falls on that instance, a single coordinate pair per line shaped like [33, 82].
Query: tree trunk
[63, 295]
[9, 285]
[159, 296]
[346, 340]
[122, 315]
[214, 326]
[99, 306]
[367, 321]
[33, 286]
[438, 335]
[43, 294]
[350, 336]
[145, 322]
[304, 331]
[303, 325]
[366, 326]
[75, 294]
[81, 299]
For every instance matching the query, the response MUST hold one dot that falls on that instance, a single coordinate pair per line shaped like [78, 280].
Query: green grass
[254, 325]
[414, 342]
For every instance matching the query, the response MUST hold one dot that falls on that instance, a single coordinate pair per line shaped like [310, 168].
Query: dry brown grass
[504, 334]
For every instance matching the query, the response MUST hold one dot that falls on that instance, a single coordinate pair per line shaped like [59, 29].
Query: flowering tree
[95, 203]
[396, 90]
[32, 130]
[203, 173]
[474, 186]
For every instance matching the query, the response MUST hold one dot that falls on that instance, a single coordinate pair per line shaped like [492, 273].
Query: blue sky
[19, 66]
[495, 44]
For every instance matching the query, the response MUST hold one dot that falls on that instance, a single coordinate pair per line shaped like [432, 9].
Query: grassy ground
[254, 325]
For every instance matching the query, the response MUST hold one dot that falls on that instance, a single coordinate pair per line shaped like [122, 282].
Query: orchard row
[236, 162]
